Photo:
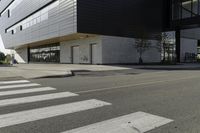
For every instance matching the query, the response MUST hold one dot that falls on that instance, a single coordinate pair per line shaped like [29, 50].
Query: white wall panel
[4, 4]
[61, 21]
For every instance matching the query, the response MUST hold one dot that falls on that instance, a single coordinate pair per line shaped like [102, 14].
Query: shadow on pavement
[169, 69]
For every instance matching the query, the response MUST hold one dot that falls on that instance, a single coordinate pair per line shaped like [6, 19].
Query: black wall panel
[119, 17]
[167, 15]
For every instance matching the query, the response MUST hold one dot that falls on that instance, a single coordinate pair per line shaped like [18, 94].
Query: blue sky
[2, 48]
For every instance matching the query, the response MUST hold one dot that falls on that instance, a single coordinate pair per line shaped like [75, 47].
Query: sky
[2, 48]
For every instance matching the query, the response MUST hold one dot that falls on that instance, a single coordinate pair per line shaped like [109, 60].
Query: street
[97, 66]
[79, 103]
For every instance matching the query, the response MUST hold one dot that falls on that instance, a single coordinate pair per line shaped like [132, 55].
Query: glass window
[195, 7]
[36, 18]
[46, 53]
[198, 50]
[11, 7]
[185, 9]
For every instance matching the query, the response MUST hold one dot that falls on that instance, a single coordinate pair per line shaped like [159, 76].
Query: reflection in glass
[185, 9]
[47, 53]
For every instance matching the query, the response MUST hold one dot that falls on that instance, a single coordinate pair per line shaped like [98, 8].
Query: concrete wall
[85, 50]
[21, 55]
[120, 50]
[191, 33]
[188, 46]
[111, 50]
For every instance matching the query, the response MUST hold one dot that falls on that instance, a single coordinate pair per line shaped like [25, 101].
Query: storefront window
[46, 53]
[168, 52]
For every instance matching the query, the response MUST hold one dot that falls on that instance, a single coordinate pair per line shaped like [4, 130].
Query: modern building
[185, 16]
[95, 31]
[198, 51]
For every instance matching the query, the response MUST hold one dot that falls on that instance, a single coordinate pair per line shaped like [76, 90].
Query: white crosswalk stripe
[48, 112]
[138, 122]
[25, 91]
[19, 86]
[38, 98]
[14, 82]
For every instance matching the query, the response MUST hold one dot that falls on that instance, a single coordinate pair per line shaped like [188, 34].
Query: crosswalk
[26, 91]
[138, 122]
[48, 112]
[38, 98]
[142, 121]
[18, 86]
[14, 82]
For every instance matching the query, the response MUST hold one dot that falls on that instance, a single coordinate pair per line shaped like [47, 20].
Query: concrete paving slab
[31, 71]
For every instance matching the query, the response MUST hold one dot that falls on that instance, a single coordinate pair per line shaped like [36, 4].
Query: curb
[55, 76]
[11, 78]
[73, 72]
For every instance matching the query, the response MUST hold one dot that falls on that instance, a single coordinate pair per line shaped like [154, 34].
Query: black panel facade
[167, 15]
[119, 17]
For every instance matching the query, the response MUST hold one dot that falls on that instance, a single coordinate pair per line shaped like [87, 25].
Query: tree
[142, 44]
[2, 56]
[166, 46]
[8, 59]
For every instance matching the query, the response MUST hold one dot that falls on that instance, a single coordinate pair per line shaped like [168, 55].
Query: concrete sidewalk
[181, 66]
[52, 70]
[9, 72]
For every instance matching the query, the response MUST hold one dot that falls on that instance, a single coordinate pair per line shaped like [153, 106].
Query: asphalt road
[170, 94]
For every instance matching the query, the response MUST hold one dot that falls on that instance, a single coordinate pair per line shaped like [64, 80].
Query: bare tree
[142, 45]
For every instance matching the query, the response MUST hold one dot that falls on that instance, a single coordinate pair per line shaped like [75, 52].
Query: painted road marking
[138, 122]
[48, 112]
[25, 91]
[38, 98]
[14, 82]
[132, 85]
[18, 86]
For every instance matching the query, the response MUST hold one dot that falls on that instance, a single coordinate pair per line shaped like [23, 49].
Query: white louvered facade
[57, 18]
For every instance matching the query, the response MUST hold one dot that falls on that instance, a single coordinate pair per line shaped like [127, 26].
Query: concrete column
[21, 55]
[178, 46]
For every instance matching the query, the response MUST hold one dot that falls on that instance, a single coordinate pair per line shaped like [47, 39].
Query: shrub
[8, 59]
[2, 57]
